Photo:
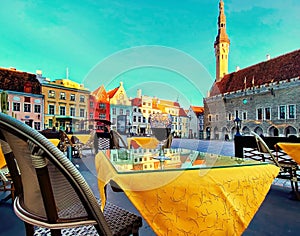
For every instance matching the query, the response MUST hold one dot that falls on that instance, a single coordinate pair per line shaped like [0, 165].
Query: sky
[163, 47]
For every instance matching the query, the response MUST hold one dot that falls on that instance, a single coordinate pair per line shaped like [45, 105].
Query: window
[37, 125]
[127, 113]
[114, 111]
[27, 107]
[81, 112]
[114, 120]
[102, 116]
[102, 105]
[72, 111]
[91, 104]
[268, 113]
[81, 99]
[37, 108]
[134, 109]
[259, 114]
[50, 122]
[72, 97]
[282, 112]
[62, 111]
[244, 114]
[209, 117]
[51, 94]
[217, 117]
[16, 106]
[229, 116]
[91, 115]
[292, 111]
[121, 111]
[51, 110]
[62, 95]
[134, 118]
[139, 119]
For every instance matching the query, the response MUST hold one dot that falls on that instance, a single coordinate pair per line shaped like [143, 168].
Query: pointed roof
[182, 112]
[222, 35]
[280, 68]
[112, 92]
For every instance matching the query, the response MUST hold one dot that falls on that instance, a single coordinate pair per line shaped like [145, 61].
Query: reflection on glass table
[128, 160]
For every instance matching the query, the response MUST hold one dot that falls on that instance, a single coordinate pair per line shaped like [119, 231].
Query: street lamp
[238, 123]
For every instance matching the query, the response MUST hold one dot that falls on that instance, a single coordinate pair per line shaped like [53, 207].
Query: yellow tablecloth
[2, 159]
[220, 201]
[292, 149]
[143, 142]
[83, 137]
[54, 141]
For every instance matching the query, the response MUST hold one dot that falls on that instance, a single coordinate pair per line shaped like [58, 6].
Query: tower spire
[221, 45]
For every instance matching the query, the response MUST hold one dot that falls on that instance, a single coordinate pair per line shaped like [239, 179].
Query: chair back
[51, 188]
[263, 148]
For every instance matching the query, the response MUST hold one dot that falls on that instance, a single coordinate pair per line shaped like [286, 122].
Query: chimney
[237, 68]
[139, 93]
[268, 57]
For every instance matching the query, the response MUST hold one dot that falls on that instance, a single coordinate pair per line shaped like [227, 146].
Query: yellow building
[66, 104]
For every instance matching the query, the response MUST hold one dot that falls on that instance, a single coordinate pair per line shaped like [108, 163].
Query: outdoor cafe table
[143, 142]
[292, 149]
[217, 196]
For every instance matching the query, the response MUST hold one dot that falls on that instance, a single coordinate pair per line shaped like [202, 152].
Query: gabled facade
[99, 104]
[120, 110]
[196, 122]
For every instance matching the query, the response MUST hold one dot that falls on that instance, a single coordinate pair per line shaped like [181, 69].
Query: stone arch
[225, 133]
[273, 131]
[208, 132]
[290, 130]
[246, 130]
[233, 132]
[259, 130]
[216, 133]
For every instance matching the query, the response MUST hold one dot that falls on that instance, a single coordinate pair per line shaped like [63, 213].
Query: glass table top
[142, 160]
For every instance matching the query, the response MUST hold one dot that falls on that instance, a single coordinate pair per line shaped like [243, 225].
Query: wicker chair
[50, 192]
[288, 170]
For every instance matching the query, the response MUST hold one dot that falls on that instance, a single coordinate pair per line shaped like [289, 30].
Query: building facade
[25, 101]
[264, 96]
[66, 105]
[120, 110]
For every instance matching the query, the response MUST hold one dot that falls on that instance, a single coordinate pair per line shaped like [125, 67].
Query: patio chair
[50, 191]
[65, 143]
[89, 144]
[6, 184]
[288, 170]
[109, 140]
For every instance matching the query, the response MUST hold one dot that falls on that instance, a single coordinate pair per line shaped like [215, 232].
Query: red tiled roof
[136, 102]
[112, 92]
[280, 68]
[197, 109]
[182, 112]
[11, 79]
